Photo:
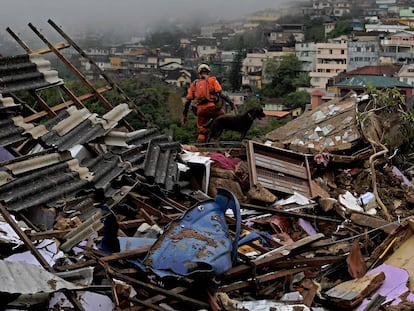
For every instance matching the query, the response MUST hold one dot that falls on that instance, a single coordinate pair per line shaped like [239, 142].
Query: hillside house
[406, 74]
[399, 47]
[178, 77]
[253, 67]
[205, 48]
[286, 33]
[331, 59]
[363, 52]
[306, 53]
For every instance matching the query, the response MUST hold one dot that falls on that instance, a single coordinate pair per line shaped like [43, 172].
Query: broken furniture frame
[279, 169]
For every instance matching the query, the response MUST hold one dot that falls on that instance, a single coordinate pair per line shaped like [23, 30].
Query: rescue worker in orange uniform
[206, 104]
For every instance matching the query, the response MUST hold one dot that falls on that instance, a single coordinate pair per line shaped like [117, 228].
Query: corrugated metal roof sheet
[117, 138]
[105, 168]
[26, 72]
[74, 127]
[12, 130]
[36, 279]
[150, 152]
[8, 105]
[160, 162]
[43, 179]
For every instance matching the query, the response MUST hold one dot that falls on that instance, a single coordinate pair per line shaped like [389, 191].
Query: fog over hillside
[137, 16]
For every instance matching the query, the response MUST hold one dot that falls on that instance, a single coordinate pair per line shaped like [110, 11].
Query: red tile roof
[383, 70]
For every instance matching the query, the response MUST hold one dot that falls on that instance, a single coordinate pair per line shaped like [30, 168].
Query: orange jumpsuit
[206, 109]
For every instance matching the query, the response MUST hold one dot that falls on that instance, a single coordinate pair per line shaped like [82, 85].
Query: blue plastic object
[198, 242]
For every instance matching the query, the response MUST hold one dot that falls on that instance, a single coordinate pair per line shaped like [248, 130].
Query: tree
[291, 41]
[284, 76]
[235, 72]
[315, 30]
[343, 27]
[297, 99]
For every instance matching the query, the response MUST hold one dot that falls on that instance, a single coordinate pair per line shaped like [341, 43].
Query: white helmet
[203, 67]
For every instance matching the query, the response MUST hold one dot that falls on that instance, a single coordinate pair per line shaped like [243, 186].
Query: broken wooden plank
[273, 255]
[351, 293]
[138, 252]
[373, 222]
[261, 279]
[287, 213]
[180, 297]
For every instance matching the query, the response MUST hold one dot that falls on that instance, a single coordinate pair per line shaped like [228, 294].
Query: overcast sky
[137, 14]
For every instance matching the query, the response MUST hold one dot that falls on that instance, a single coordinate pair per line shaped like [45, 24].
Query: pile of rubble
[317, 215]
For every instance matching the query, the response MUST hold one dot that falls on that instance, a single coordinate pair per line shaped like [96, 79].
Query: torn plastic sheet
[24, 278]
[350, 202]
[47, 248]
[8, 235]
[394, 285]
[90, 301]
[295, 198]
[405, 180]
[307, 226]
[267, 305]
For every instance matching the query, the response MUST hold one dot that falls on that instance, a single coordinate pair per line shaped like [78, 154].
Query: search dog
[240, 123]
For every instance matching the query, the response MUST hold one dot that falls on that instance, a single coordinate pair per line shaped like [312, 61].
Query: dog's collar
[250, 116]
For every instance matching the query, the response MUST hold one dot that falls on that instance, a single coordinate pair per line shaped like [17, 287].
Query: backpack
[201, 91]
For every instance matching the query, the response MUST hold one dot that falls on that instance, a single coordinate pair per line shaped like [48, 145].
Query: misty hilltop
[138, 16]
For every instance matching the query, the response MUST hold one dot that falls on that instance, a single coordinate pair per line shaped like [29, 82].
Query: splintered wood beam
[261, 279]
[64, 105]
[159, 298]
[81, 77]
[276, 211]
[23, 236]
[44, 105]
[270, 257]
[111, 82]
[58, 46]
[180, 297]
[139, 251]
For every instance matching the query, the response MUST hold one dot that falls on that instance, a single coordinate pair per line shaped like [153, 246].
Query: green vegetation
[235, 78]
[286, 77]
[386, 121]
[297, 99]
[315, 30]
[160, 102]
[343, 27]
